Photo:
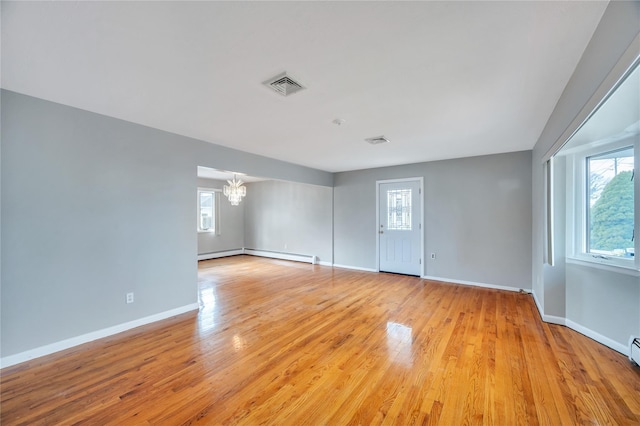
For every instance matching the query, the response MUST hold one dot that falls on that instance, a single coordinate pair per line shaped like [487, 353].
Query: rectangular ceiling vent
[377, 140]
[284, 84]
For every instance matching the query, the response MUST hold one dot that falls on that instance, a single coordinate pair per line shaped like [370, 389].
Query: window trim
[577, 208]
[216, 210]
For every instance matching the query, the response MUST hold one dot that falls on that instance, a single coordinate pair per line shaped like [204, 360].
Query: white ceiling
[439, 79]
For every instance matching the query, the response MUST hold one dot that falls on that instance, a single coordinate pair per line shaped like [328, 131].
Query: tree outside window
[611, 203]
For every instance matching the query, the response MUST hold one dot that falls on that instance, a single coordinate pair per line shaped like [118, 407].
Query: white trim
[552, 319]
[209, 189]
[216, 210]
[475, 284]
[611, 82]
[538, 305]
[420, 180]
[94, 335]
[604, 266]
[578, 209]
[282, 256]
[549, 257]
[631, 339]
[215, 255]
[355, 268]
[305, 258]
[616, 346]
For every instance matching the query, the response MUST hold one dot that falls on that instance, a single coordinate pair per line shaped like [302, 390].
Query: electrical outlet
[129, 297]
[433, 255]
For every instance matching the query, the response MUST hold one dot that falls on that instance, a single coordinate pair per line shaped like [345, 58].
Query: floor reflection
[207, 309]
[399, 340]
[239, 343]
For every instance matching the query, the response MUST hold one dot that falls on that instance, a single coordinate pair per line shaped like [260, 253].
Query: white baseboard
[552, 319]
[282, 256]
[217, 254]
[355, 268]
[535, 299]
[616, 346]
[633, 354]
[94, 335]
[265, 253]
[475, 284]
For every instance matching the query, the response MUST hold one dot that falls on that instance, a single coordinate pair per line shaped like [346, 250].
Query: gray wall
[554, 276]
[477, 217]
[600, 301]
[604, 302]
[289, 217]
[231, 222]
[94, 207]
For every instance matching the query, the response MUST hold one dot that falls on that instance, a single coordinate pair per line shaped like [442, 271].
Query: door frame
[420, 180]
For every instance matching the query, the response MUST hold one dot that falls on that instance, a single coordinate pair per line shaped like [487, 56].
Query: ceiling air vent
[377, 140]
[284, 84]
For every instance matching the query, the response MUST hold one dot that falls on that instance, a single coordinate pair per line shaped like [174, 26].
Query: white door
[399, 227]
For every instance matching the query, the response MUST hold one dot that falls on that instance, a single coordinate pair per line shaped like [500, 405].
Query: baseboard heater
[634, 350]
[215, 255]
[283, 256]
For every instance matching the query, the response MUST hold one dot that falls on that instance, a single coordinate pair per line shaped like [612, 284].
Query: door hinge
[419, 261]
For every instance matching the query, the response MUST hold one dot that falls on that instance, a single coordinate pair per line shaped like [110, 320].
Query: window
[207, 205]
[399, 209]
[610, 210]
[602, 188]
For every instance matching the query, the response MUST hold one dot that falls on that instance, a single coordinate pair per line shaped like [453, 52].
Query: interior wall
[598, 303]
[289, 217]
[603, 303]
[554, 276]
[93, 208]
[230, 235]
[477, 217]
[538, 231]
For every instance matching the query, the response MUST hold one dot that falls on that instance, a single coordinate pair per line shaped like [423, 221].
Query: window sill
[207, 232]
[626, 270]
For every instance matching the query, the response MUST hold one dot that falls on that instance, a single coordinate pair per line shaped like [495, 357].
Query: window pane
[206, 211]
[611, 205]
[399, 209]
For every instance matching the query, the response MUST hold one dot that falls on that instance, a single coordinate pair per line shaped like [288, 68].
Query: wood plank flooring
[284, 343]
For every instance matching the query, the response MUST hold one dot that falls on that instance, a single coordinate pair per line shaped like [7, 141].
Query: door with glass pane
[399, 227]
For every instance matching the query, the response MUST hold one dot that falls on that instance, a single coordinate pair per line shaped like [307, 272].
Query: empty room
[319, 212]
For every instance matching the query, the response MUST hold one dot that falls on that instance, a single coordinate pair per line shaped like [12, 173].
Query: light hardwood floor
[286, 343]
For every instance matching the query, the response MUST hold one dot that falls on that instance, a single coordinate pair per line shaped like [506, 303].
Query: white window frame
[216, 210]
[577, 208]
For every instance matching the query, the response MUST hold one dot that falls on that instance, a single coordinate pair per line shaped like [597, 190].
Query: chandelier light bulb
[235, 191]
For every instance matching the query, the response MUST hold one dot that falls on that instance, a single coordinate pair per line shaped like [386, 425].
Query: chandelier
[235, 191]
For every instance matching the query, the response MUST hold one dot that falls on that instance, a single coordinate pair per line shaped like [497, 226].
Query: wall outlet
[129, 297]
[433, 255]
